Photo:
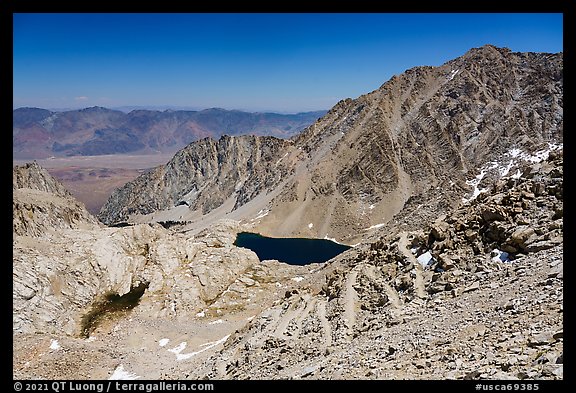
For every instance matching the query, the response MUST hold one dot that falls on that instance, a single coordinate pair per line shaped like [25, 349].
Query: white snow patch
[515, 152]
[121, 374]
[54, 345]
[298, 278]
[201, 314]
[262, 213]
[281, 158]
[90, 339]
[206, 346]
[332, 239]
[452, 74]
[500, 256]
[310, 225]
[425, 259]
[179, 348]
[250, 318]
[504, 171]
[371, 207]
[538, 156]
[216, 322]
[493, 166]
[474, 182]
[375, 227]
[163, 341]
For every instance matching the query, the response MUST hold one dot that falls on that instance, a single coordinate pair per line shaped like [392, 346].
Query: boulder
[439, 230]
[522, 237]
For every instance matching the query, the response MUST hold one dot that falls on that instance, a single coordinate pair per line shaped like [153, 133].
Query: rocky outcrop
[203, 176]
[41, 203]
[62, 281]
[32, 176]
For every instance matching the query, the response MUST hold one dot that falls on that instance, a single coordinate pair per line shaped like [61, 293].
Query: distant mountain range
[41, 133]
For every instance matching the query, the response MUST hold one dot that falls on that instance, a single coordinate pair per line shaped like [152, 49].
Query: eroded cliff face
[203, 176]
[423, 136]
[32, 176]
[64, 279]
[41, 203]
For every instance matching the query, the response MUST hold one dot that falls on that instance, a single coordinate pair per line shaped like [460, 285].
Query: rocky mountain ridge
[203, 176]
[431, 134]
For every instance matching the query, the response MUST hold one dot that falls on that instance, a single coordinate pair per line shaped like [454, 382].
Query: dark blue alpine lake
[295, 251]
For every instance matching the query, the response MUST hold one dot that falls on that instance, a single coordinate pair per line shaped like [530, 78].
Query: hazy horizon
[282, 63]
[129, 108]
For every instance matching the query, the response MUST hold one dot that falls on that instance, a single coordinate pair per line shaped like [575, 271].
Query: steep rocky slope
[203, 176]
[89, 301]
[62, 278]
[39, 133]
[430, 135]
[40, 203]
[422, 134]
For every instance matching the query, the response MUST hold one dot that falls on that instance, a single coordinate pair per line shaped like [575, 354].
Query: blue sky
[256, 62]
